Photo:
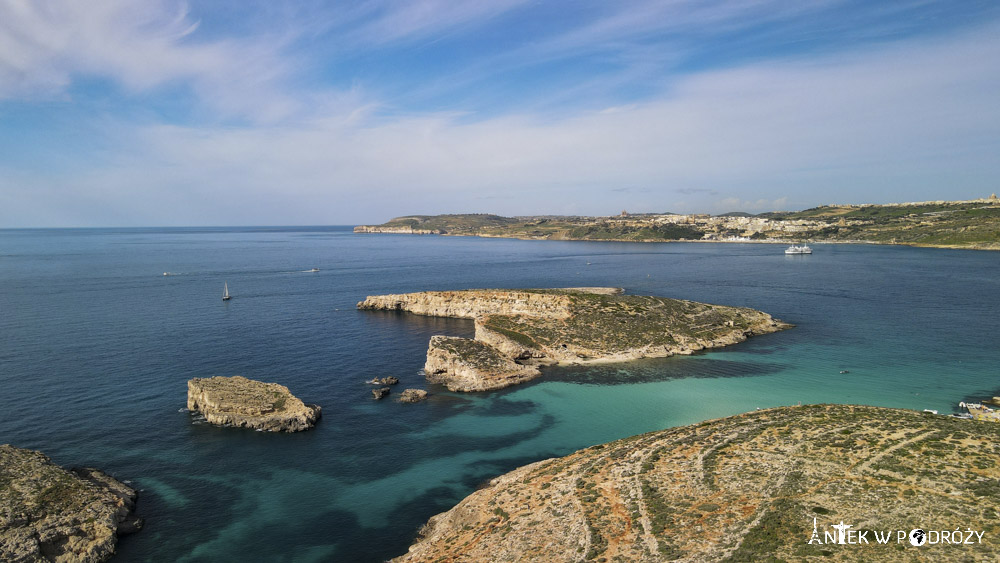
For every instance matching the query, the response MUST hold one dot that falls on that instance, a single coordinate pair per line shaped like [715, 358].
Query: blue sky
[159, 112]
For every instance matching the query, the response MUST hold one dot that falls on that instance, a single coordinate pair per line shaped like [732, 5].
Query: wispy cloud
[897, 122]
[390, 20]
[45, 45]
[737, 204]
[902, 118]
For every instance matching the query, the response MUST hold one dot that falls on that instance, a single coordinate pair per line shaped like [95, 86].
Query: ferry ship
[794, 249]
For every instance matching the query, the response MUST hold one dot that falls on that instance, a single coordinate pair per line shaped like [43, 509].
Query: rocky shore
[48, 513]
[519, 330]
[744, 488]
[238, 401]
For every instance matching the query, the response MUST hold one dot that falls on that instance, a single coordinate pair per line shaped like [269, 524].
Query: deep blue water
[96, 346]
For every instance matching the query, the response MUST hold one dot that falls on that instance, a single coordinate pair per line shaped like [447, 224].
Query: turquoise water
[96, 346]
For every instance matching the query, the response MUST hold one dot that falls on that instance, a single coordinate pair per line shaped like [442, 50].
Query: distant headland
[972, 224]
[518, 330]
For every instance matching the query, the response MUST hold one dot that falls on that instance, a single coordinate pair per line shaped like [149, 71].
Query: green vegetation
[620, 323]
[477, 354]
[625, 232]
[279, 400]
[783, 520]
[451, 224]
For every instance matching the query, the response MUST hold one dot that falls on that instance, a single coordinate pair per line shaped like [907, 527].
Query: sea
[100, 329]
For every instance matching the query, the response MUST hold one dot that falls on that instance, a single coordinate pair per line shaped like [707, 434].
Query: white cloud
[46, 44]
[906, 122]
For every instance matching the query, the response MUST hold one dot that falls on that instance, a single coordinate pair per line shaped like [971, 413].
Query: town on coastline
[973, 224]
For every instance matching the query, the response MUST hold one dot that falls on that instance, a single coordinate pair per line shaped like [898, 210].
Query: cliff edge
[48, 513]
[238, 401]
[518, 330]
[745, 488]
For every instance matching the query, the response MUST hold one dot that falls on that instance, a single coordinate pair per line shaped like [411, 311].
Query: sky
[243, 112]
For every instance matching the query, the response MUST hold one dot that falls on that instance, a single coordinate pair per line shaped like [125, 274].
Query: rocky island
[771, 485]
[48, 513]
[518, 330]
[238, 401]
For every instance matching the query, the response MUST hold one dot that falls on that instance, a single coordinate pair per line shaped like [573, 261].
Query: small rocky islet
[48, 513]
[238, 401]
[520, 330]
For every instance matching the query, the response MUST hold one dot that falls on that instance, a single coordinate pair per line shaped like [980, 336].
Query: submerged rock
[412, 396]
[48, 513]
[381, 393]
[238, 401]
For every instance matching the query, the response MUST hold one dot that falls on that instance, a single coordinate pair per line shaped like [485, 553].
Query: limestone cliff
[469, 365]
[238, 401]
[473, 304]
[518, 330]
[743, 488]
[50, 514]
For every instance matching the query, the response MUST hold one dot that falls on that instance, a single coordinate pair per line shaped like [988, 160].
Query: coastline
[973, 224]
[650, 241]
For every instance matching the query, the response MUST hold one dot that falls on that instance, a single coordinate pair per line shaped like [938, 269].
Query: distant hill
[971, 224]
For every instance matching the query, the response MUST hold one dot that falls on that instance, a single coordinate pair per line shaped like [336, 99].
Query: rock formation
[412, 396]
[381, 393]
[744, 488]
[50, 514]
[389, 380]
[238, 401]
[519, 330]
[461, 364]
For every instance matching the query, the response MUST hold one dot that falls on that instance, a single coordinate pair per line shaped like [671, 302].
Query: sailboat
[225, 293]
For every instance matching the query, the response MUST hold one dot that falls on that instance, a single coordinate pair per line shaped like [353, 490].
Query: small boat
[795, 249]
[314, 270]
[225, 293]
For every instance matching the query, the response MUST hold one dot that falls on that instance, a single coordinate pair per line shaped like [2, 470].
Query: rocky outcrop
[743, 488]
[238, 401]
[471, 304]
[381, 393]
[388, 380]
[519, 330]
[461, 364]
[412, 396]
[48, 513]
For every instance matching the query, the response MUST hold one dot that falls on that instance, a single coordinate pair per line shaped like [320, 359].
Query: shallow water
[96, 346]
